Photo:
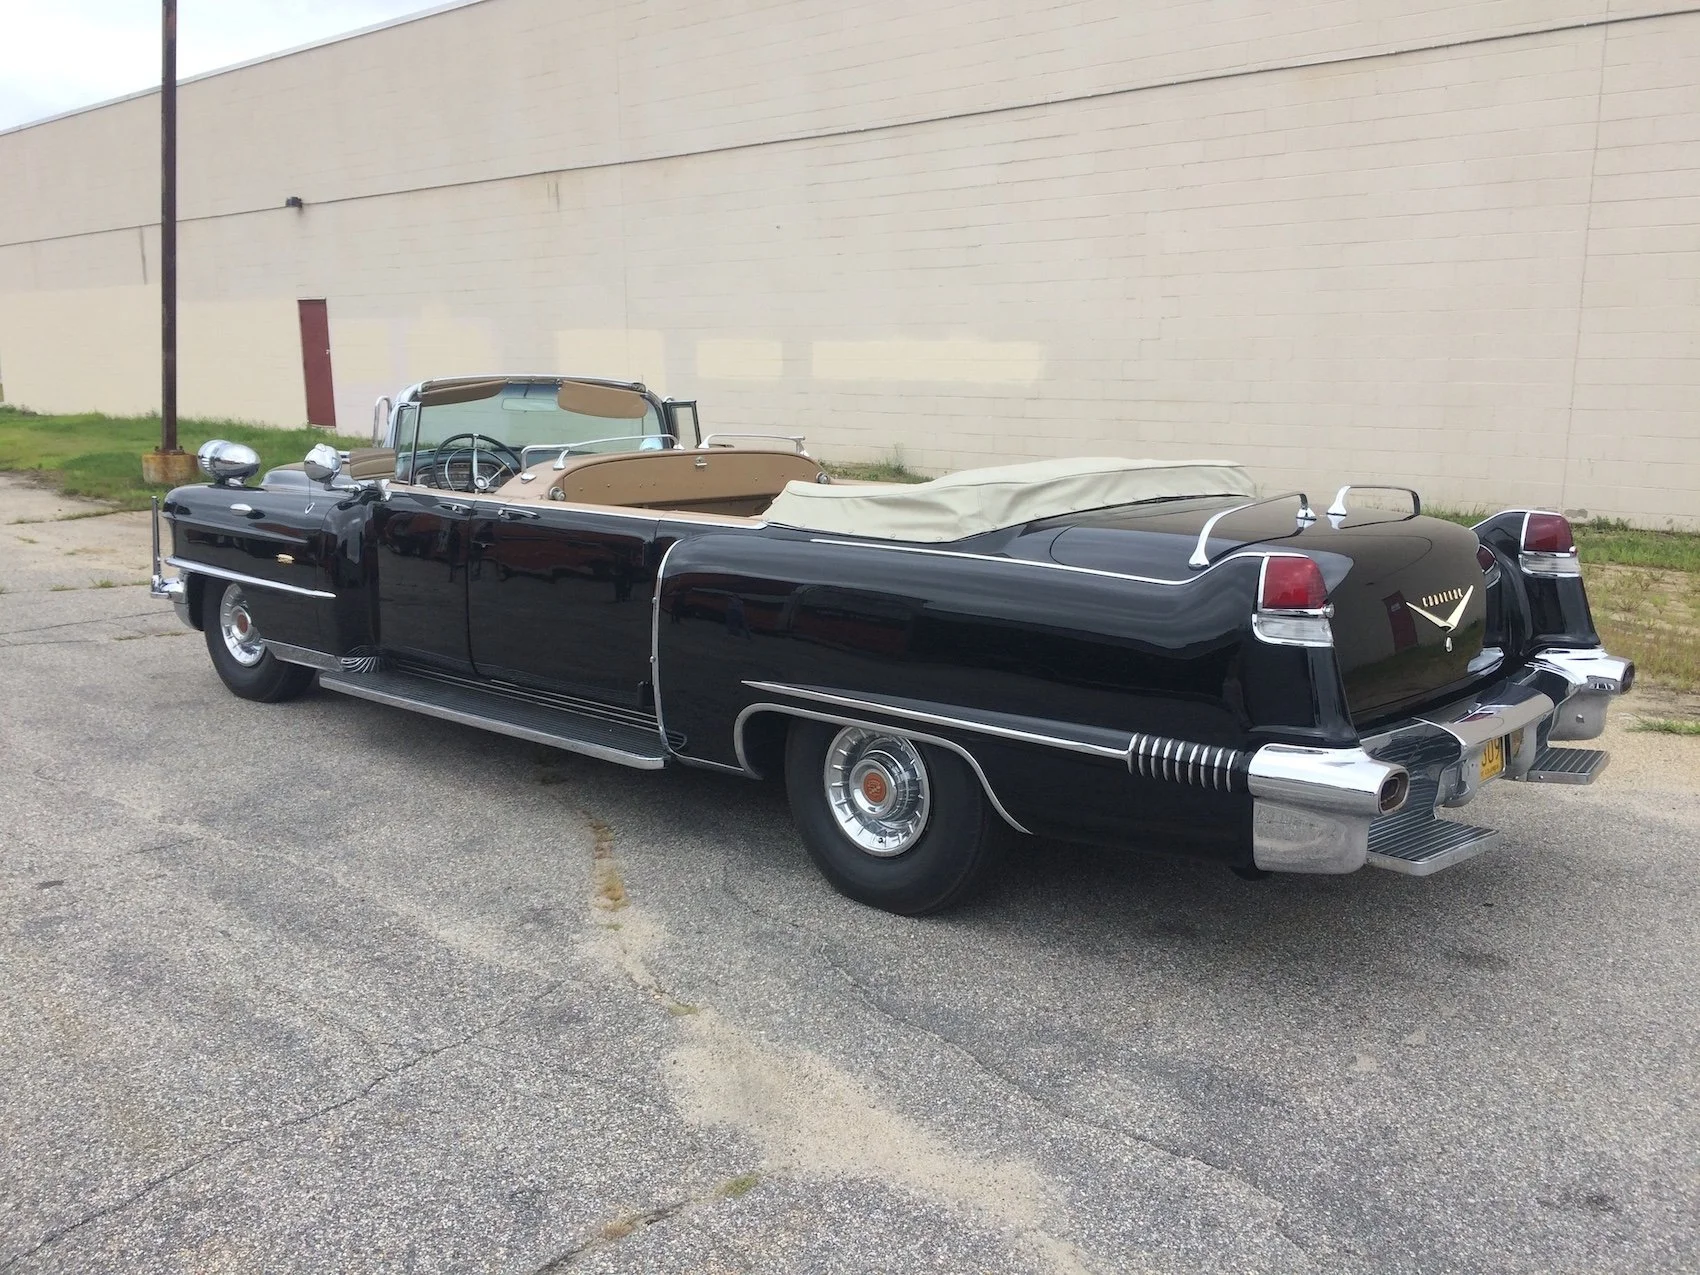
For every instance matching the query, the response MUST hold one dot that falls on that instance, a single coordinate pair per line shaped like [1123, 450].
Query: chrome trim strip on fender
[303, 655]
[938, 719]
[837, 719]
[1235, 556]
[183, 564]
[655, 643]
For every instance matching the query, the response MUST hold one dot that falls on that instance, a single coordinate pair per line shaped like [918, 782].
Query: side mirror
[323, 463]
[226, 463]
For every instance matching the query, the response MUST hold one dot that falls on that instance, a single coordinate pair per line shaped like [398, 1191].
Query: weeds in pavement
[1668, 725]
[740, 1186]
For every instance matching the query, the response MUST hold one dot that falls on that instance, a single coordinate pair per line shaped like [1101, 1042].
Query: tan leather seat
[721, 480]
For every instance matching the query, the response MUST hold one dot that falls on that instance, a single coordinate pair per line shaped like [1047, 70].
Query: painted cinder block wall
[1454, 244]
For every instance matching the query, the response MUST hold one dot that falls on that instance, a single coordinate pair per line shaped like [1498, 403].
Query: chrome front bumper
[160, 585]
[1332, 810]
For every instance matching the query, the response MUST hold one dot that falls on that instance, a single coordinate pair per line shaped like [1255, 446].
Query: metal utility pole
[168, 232]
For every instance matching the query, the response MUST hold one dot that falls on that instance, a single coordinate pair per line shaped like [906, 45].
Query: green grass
[1651, 617]
[890, 470]
[100, 457]
[740, 1186]
[1668, 725]
[1611, 540]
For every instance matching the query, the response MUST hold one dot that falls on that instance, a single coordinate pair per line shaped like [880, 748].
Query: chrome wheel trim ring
[878, 791]
[241, 634]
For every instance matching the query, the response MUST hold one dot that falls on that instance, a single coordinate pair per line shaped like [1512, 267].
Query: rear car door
[559, 599]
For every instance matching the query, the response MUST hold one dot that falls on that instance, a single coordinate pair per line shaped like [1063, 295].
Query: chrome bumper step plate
[1415, 842]
[1427, 847]
[628, 744]
[1568, 765]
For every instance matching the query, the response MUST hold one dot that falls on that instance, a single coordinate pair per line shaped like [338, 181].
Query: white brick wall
[1456, 244]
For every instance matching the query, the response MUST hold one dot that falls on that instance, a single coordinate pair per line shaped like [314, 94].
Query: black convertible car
[1131, 653]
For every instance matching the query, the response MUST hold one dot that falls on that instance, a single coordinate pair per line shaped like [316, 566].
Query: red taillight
[1485, 557]
[1547, 533]
[1293, 584]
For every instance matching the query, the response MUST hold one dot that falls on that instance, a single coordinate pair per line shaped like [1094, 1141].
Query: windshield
[475, 435]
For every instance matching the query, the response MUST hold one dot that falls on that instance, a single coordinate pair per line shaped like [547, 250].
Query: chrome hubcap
[877, 788]
[241, 634]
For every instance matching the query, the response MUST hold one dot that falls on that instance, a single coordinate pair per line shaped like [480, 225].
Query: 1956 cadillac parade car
[1128, 653]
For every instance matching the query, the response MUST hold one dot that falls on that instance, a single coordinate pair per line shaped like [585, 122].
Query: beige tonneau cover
[979, 500]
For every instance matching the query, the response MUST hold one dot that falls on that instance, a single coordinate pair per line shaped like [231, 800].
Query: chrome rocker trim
[303, 655]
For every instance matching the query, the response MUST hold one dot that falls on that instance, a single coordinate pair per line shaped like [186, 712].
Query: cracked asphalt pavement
[324, 986]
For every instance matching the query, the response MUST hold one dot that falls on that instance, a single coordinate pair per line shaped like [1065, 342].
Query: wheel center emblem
[875, 788]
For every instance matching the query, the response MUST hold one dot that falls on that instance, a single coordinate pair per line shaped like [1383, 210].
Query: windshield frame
[411, 460]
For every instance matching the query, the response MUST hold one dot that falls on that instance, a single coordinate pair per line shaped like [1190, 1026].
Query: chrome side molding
[201, 568]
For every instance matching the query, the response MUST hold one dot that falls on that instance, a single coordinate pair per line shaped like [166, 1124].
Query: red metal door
[316, 363]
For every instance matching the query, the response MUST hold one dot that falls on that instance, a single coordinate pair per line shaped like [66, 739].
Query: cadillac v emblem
[1461, 596]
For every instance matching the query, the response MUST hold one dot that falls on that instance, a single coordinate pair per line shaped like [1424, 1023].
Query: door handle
[518, 515]
[454, 508]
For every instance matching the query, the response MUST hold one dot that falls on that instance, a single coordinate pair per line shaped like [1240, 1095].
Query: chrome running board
[1568, 765]
[506, 714]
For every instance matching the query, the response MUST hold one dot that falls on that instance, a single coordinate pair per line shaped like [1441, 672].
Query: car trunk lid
[1409, 596]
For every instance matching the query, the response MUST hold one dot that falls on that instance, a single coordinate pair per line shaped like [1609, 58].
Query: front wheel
[889, 822]
[239, 653]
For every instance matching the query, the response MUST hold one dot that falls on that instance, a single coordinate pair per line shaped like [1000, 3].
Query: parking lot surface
[325, 986]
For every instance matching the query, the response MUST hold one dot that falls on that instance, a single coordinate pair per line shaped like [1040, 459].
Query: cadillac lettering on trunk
[1140, 654]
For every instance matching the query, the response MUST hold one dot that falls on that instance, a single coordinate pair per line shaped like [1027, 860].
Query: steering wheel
[503, 466]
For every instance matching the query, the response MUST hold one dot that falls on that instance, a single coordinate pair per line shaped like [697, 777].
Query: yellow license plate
[1493, 758]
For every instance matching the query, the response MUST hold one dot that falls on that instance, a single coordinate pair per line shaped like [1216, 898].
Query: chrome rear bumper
[1332, 810]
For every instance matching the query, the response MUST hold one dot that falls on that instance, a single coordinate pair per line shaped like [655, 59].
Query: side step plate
[574, 732]
[1568, 765]
[1416, 843]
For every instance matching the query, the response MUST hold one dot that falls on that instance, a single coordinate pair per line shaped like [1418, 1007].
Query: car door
[559, 599]
[420, 537]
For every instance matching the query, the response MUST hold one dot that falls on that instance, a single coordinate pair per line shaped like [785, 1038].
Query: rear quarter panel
[1073, 653]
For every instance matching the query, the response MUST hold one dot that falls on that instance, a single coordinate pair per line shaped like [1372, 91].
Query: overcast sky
[57, 55]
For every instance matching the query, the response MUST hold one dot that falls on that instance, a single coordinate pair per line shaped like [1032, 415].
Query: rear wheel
[889, 822]
[239, 653]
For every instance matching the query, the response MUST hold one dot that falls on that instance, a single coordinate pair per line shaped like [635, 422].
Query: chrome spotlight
[227, 464]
